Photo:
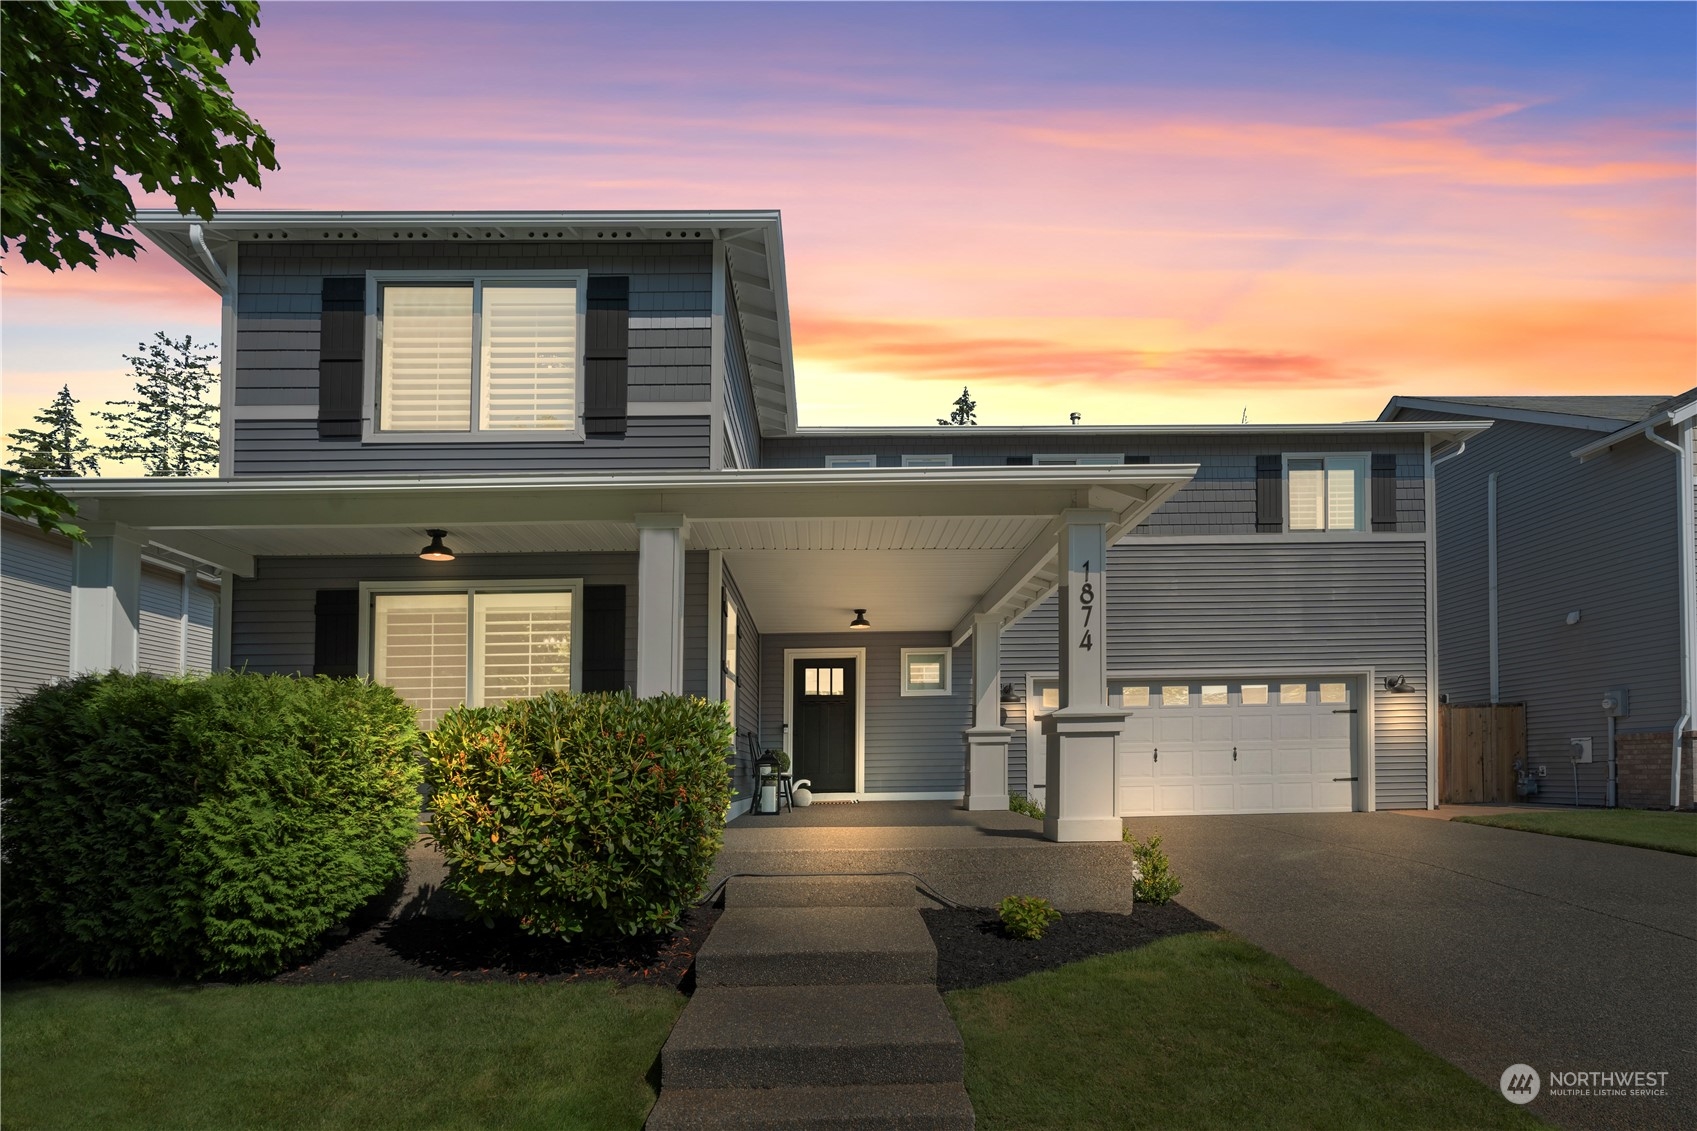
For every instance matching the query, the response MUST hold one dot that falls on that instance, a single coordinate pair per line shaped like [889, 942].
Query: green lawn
[367, 1054]
[1201, 1031]
[1667, 831]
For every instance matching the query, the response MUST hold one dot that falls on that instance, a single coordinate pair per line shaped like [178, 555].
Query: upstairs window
[1098, 459]
[928, 461]
[1326, 492]
[851, 461]
[486, 356]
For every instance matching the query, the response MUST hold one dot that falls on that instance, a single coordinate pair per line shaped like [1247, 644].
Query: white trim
[716, 430]
[716, 598]
[229, 366]
[856, 463]
[948, 673]
[1078, 459]
[375, 281]
[1456, 429]
[940, 795]
[939, 459]
[471, 586]
[225, 619]
[739, 807]
[791, 655]
[1363, 484]
[1431, 490]
[1283, 538]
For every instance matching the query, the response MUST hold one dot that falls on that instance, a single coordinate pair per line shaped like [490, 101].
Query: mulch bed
[461, 951]
[973, 951]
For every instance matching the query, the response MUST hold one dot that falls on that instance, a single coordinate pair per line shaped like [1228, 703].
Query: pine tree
[58, 447]
[965, 410]
[170, 428]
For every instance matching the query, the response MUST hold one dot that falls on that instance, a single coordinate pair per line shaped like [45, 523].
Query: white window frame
[1363, 483]
[1085, 459]
[369, 590]
[908, 690]
[857, 463]
[928, 461]
[374, 283]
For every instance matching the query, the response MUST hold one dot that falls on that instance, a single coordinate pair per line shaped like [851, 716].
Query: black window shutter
[1024, 460]
[603, 638]
[1269, 495]
[341, 359]
[1384, 491]
[606, 357]
[335, 633]
[1136, 459]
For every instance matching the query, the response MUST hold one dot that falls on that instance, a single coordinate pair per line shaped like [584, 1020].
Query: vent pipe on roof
[197, 240]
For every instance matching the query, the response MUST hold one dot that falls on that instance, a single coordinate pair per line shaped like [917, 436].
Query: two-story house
[479, 455]
[1567, 582]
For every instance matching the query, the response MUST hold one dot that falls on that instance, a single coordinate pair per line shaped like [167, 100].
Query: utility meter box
[1579, 749]
[1616, 704]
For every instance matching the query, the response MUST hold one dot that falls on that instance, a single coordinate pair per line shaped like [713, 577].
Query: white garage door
[1237, 746]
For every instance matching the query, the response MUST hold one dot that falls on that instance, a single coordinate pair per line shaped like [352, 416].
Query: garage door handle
[1157, 754]
[1346, 711]
[1346, 779]
[1234, 753]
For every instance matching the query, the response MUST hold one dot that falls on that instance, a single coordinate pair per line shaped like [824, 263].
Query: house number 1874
[1086, 605]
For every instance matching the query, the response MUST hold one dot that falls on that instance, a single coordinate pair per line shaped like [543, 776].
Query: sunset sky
[1145, 213]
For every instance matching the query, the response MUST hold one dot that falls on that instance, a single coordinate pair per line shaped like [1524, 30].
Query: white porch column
[660, 604]
[987, 739]
[1080, 735]
[105, 602]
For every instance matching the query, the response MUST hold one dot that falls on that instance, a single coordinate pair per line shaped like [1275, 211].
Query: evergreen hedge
[217, 825]
[581, 814]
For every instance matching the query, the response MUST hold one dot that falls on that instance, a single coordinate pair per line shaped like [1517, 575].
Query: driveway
[1488, 946]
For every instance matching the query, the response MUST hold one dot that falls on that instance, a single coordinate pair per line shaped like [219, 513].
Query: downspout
[1491, 581]
[1688, 580]
[197, 240]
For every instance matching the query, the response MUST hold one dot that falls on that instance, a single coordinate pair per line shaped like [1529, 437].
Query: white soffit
[901, 590]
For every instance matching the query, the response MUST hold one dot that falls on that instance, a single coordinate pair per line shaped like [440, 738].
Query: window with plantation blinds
[479, 356]
[1326, 492]
[438, 650]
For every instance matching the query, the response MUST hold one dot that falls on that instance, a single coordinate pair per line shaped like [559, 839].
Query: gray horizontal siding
[1599, 537]
[695, 625]
[292, 447]
[203, 626]
[1240, 608]
[1220, 500]
[159, 646]
[741, 420]
[914, 744]
[35, 610]
[272, 619]
[277, 319]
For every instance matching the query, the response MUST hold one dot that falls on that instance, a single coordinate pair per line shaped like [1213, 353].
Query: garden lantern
[766, 781]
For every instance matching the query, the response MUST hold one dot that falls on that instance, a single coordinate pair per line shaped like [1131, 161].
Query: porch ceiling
[921, 548]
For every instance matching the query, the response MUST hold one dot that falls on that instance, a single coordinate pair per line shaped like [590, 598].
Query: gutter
[1687, 582]
[197, 240]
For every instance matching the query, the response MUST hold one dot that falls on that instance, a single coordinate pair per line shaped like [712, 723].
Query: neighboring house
[597, 412]
[175, 604]
[1566, 561]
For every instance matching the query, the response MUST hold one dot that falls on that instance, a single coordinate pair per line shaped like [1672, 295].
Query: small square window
[1048, 697]
[1177, 696]
[1254, 694]
[1293, 694]
[851, 461]
[928, 461]
[925, 671]
[1214, 695]
[1134, 695]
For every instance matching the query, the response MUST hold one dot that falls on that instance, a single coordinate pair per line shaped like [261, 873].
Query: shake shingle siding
[913, 744]
[1220, 500]
[277, 337]
[272, 623]
[1599, 538]
[1319, 607]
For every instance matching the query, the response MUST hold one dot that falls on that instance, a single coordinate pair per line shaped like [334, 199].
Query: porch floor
[974, 858]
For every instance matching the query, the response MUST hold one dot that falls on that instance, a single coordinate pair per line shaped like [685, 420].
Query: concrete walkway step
[813, 1036]
[824, 891]
[816, 946]
[895, 1107]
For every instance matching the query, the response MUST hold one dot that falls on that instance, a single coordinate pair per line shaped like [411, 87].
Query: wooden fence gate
[1477, 747]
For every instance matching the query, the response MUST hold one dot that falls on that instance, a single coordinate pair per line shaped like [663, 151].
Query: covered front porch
[852, 618]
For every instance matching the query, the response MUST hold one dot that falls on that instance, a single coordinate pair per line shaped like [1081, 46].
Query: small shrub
[1019, 803]
[576, 814]
[1153, 878]
[216, 824]
[1027, 916]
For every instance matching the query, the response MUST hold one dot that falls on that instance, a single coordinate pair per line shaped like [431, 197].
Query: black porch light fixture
[860, 620]
[436, 551]
[1398, 685]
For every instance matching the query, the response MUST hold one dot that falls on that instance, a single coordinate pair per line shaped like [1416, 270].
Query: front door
[822, 723]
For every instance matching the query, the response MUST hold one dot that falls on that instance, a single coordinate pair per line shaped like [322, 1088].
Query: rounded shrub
[581, 814]
[217, 825]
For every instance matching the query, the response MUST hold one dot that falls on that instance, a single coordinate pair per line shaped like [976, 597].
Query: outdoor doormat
[467, 951]
[973, 951]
